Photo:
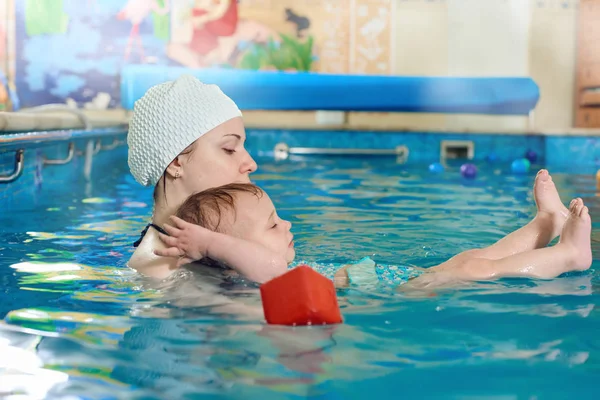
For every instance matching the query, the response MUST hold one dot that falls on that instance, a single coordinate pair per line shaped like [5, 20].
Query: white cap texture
[170, 117]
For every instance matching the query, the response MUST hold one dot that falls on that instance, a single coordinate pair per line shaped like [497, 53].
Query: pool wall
[554, 151]
[104, 146]
[573, 154]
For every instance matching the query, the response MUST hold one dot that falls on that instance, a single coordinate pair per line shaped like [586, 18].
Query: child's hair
[206, 208]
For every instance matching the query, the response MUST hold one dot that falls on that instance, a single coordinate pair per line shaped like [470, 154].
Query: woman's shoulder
[144, 261]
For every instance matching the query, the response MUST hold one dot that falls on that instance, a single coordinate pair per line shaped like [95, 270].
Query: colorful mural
[3, 62]
[3, 82]
[72, 51]
[90, 41]
[217, 32]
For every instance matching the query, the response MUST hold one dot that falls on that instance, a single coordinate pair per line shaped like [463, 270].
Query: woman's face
[218, 158]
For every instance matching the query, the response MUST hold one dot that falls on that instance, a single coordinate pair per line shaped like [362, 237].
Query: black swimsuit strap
[158, 228]
[206, 262]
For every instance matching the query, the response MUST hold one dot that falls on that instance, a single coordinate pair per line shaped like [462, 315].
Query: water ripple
[82, 322]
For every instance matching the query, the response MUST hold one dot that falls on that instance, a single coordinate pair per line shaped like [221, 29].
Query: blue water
[78, 322]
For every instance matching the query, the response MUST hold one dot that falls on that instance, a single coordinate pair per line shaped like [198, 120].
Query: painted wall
[5, 28]
[72, 50]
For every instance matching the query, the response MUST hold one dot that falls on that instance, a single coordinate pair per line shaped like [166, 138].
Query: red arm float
[301, 296]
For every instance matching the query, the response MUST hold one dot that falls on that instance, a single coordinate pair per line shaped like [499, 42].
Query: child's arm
[252, 260]
[359, 273]
[191, 242]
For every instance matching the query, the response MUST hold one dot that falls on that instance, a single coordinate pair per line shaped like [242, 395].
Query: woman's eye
[229, 151]
[274, 226]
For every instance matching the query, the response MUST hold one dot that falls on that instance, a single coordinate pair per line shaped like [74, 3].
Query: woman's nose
[248, 165]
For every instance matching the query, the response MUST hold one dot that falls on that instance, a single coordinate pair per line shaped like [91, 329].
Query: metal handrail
[48, 137]
[18, 170]
[116, 143]
[64, 160]
[97, 147]
[282, 151]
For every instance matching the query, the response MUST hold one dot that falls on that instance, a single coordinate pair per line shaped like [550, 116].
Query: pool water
[79, 323]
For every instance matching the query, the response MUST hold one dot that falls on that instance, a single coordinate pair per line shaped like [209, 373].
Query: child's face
[256, 221]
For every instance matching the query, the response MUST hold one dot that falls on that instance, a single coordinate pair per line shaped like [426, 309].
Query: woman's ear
[174, 169]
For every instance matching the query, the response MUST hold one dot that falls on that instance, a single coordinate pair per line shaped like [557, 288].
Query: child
[258, 238]
[252, 235]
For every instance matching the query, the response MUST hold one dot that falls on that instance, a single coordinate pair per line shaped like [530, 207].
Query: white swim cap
[170, 117]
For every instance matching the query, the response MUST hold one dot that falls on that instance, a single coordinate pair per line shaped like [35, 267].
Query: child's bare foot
[548, 202]
[576, 236]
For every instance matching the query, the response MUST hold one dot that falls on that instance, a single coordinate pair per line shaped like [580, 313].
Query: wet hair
[186, 151]
[206, 208]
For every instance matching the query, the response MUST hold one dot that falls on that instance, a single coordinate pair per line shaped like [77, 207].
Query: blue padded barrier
[265, 90]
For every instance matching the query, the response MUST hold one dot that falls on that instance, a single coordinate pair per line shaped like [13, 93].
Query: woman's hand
[187, 241]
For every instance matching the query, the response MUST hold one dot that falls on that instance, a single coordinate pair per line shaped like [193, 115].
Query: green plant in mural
[302, 51]
[253, 59]
[161, 22]
[290, 53]
[45, 17]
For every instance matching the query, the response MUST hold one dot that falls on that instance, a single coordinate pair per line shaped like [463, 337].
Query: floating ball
[531, 156]
[436, 168]
[492, 157]
[468, 171]
[520, 166]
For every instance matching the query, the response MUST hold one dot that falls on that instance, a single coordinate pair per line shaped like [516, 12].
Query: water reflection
[85, 323]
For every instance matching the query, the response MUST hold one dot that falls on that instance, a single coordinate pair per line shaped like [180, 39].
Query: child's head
[242, 210]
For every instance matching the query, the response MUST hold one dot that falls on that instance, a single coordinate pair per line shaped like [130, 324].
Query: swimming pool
[78, 323]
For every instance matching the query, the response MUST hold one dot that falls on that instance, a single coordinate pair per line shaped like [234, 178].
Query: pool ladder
[283, 151]
[18, 169]
[92, 148]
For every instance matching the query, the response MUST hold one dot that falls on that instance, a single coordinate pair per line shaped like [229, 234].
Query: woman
[184, 137]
